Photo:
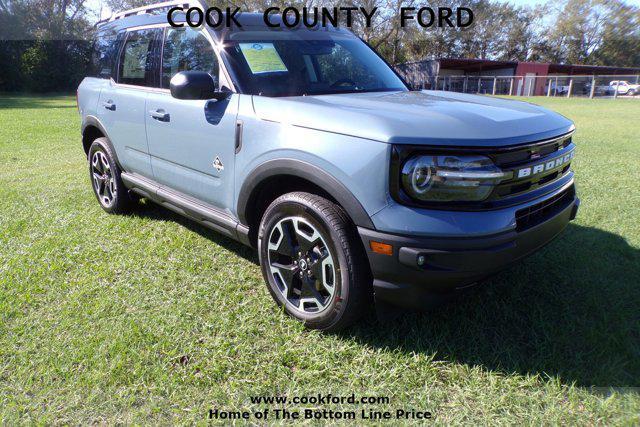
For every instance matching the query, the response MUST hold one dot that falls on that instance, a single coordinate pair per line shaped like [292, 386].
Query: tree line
[45, 45]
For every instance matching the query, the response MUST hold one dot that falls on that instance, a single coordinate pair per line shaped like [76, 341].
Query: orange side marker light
[381, 248]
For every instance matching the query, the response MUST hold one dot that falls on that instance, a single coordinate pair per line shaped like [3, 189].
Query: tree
[578, 31]
[520, 35]
[620, 42]
[45, 44]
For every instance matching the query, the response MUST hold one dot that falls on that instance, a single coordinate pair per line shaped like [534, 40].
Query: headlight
[448, 178]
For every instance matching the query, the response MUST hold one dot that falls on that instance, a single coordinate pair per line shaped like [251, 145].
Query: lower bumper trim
[423, 270]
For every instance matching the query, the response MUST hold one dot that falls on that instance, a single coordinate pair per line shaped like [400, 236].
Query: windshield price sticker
[262, 58]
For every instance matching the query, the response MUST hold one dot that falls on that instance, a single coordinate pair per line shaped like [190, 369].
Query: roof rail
[150, 8]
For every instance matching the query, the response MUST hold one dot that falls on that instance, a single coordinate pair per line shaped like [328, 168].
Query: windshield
[306, 62]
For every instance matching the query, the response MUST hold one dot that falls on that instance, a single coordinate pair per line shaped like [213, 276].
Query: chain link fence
[610, 86]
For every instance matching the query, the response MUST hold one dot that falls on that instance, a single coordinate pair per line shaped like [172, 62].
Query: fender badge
[218, 164]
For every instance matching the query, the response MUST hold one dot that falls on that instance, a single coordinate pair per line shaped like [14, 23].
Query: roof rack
[150, 8]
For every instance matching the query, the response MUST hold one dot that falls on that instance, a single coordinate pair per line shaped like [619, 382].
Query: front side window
[186, 49]
[306, 62]
[137, 63]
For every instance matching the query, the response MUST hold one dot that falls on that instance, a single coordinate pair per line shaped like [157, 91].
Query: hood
[425, 118]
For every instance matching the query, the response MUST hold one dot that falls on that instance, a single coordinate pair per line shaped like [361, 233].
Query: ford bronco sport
[306, 145]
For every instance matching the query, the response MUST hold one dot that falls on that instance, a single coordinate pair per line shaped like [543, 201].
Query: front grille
[527, 155]
[507, 157]
[540, 212]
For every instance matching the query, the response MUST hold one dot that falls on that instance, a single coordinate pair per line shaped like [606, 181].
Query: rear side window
[137, 63]
[186, 49]
[105, 51]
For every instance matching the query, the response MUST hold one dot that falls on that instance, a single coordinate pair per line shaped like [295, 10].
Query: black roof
[159, 16]
[248, 20]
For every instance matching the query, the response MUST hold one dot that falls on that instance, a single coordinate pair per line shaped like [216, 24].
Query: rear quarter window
[105, 53]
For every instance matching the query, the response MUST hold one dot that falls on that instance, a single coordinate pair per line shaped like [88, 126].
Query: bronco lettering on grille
[546, 166]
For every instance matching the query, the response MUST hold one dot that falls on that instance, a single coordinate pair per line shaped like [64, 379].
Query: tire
[106, 181]
[632, 92]
[307, 242]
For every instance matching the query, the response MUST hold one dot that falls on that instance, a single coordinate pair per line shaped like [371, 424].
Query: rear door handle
[160, 115]
[109, 105]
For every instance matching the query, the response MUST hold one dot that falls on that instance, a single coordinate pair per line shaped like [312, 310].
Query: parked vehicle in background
[559, 89]
[305, 144]
[600, 90]
[624, 87]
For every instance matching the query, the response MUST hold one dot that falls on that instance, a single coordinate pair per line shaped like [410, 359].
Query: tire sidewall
[276, 212]
[103, 144]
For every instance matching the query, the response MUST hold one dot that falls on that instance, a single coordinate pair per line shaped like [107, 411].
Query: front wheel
[313, 261]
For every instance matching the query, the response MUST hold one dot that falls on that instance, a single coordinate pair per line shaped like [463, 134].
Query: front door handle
[160, 115]
[109, 105]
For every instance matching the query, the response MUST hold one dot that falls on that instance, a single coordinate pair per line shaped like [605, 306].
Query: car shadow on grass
[156, 212]
[570, 311]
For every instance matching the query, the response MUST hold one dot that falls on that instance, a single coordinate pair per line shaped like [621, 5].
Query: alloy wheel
[302, 265]
[103, 180]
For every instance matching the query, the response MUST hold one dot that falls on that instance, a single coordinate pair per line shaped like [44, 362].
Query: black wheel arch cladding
[292, 167]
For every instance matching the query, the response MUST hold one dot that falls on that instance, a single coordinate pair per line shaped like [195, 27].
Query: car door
[192, 142]
[122, 105]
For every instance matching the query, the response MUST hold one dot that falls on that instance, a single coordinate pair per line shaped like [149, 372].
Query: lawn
[149, 318]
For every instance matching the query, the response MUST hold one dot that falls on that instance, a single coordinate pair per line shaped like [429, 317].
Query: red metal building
[427, 73]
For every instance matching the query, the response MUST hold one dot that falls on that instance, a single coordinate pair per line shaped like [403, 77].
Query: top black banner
[293, 17]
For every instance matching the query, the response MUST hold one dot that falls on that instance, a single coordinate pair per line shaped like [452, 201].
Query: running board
[187, 206]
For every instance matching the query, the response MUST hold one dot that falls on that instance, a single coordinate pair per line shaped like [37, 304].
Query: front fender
[354, 171]
[309, 172]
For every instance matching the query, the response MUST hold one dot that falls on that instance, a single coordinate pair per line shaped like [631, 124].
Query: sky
[94, 5]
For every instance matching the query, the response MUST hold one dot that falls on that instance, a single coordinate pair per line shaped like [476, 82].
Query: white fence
[562, 86]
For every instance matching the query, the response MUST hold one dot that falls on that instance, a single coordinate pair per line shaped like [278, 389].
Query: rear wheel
[106, 182]
[313, 262]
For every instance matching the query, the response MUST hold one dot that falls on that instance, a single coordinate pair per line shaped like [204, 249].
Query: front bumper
[454, 263]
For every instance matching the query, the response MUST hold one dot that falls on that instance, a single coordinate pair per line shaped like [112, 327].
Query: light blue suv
[305, 144]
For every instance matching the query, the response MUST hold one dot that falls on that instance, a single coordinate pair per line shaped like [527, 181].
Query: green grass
[149, 318]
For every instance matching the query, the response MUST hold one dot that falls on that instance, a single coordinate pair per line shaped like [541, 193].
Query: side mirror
[194, 85]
